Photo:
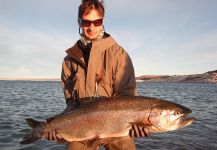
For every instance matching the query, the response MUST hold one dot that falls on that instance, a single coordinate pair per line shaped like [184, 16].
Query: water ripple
[40, 100]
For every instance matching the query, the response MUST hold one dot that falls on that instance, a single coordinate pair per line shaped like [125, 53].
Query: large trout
[112, 117]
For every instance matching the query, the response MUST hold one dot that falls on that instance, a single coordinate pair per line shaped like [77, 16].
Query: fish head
[168, 117]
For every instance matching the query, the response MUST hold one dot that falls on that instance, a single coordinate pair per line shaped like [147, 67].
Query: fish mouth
[185, 120]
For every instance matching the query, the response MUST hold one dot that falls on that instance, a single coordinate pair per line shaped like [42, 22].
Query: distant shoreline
[207, 77]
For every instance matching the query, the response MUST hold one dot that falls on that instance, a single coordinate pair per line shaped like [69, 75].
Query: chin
[92, 38]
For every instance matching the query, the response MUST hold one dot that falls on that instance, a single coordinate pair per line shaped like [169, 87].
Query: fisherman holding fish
[97, 66]
[100, 90]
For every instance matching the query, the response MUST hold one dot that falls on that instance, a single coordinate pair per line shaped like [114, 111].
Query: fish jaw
[184, 121]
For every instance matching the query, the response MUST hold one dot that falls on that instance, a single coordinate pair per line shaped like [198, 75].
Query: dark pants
[123, 143]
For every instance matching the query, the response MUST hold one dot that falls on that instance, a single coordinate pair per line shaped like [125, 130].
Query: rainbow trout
[111, 118]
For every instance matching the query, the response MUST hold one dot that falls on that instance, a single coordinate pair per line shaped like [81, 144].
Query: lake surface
[42, 99]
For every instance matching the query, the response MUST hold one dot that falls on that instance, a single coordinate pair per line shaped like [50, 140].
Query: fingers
[59, 137]
[131, 133]
[52, 136]
[147, 132]
[136, 131]
[141, 131]
[45, 136]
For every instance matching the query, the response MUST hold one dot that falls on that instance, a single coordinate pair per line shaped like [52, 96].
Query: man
[97, 66]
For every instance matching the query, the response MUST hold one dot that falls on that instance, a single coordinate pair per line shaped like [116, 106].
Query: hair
[87, 5]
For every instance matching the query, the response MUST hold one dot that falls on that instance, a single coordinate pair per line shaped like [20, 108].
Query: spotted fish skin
[112, 117]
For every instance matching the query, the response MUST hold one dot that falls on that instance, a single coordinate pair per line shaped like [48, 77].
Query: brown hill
[208, 77]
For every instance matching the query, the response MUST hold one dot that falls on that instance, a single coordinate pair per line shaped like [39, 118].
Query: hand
[53, 136]
[138, 131]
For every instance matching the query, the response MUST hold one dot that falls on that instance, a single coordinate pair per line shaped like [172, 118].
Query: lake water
[42, 99]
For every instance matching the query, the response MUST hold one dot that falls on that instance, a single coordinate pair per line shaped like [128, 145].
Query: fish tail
[29, 138]
[33, 123]
[33, 136]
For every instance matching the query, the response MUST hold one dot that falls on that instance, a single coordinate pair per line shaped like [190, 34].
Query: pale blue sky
[167, 37]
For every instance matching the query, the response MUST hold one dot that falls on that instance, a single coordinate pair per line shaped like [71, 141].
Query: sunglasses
[87, 23]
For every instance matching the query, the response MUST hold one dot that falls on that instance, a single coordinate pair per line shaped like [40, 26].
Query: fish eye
[176, 113]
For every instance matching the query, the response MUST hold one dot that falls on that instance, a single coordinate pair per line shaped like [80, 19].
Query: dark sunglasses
[87, 23]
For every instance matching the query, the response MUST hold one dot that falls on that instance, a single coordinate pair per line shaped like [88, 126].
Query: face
[91, 32]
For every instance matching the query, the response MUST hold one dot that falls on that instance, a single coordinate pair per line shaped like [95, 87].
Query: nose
[91, 26]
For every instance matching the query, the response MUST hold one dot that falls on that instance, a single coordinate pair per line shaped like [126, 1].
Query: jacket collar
[98, 46]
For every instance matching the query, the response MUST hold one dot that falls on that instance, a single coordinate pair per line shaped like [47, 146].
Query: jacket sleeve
[124, 80]
[68, 79]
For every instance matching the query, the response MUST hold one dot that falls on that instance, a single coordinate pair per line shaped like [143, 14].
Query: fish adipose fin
[32, 137]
